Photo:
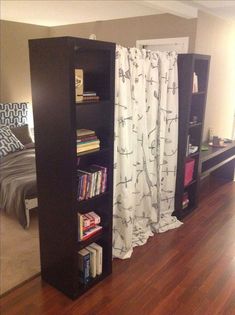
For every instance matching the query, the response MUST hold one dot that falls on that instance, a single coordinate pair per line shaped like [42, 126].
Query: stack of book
[92, 181]
[90, 96]
[90, 261]
[185, 201]
[87, 140]
[88, 225]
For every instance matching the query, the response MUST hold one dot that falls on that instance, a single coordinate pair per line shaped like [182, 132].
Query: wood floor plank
[187, 271]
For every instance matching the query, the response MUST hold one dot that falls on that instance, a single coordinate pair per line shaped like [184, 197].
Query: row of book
[92, 181]
[87, 140]
[88, 225]
[90, 261]
[90, 96]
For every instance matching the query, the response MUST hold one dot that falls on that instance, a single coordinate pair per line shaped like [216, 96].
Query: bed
[18, 187]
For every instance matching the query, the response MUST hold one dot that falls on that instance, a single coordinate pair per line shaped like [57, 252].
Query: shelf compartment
[89, 203]
[191, 189]
[96, 72]
[197, 107]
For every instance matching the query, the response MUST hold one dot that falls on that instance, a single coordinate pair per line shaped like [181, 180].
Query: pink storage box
[189, 168]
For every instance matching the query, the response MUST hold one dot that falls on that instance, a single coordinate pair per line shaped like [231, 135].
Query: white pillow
[8, 142]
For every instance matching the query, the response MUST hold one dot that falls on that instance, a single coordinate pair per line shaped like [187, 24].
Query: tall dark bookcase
[191, 119]
[56, 117]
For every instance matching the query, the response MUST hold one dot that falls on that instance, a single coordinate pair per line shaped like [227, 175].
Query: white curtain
[145, 147]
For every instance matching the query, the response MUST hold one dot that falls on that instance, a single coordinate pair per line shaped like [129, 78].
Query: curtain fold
[145, 147]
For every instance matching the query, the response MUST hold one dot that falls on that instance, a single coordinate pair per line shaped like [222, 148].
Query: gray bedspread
[17, 182]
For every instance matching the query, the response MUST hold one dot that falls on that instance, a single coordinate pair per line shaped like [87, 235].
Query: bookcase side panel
[53, 97]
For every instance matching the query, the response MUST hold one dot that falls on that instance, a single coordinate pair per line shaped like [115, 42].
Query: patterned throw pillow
[8, 142]
[13, 114]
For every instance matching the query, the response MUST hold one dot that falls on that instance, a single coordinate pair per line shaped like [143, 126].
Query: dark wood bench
[218, 161]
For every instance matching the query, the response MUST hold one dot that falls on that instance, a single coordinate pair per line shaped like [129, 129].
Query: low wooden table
[218, 161]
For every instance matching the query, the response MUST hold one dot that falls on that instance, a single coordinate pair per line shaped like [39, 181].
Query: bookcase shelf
[57, 116]
[199, 124]
[99, 235]
[191, 183]
[191, 108]
[198, 93]
[93, 152]
[95, 103]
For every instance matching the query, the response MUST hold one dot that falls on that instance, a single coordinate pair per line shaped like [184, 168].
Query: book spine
[104, 180]
[84, 268]
[99, 258]
[95, 216]
[88, 148]
[86, 221]
[100, 261]
[92, 252]
[88, 143]
[85, 139]
[80, 227]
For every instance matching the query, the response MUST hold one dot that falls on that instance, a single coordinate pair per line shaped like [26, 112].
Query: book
[86, 138]
[83, 179]
[99, 257]
[195, 83]
[88, 143]
[103, 176]
[91, 98]
[92, 252]
[78, 85]
[88, 148]
[80, 226]
[95, 216]
[84, 132]
[89, 93]
[84, 265]
[91, 232]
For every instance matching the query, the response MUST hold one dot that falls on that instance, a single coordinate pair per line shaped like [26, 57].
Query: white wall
[216, 37]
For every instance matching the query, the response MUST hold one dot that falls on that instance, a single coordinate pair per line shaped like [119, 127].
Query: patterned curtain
[145, 148]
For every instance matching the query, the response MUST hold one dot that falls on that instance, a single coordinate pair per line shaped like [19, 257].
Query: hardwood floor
[186, 271]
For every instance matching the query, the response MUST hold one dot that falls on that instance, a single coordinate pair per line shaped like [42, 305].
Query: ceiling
[54, 13]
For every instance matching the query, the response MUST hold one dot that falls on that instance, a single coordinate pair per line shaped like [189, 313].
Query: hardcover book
[92, 252]
[85, 132]
[99, 257]
[78, 85]
[84, 265]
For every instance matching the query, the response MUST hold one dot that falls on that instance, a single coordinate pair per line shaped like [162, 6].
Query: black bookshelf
[56, 117]
[191, 120]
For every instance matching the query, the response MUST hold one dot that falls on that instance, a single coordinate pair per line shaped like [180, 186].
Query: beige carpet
[19, 259]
